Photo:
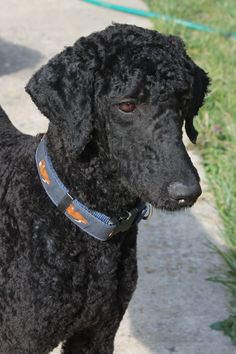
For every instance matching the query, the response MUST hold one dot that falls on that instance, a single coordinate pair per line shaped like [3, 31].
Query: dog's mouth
[174, 197]
[163, 200]
[172, 204]
[169, 204]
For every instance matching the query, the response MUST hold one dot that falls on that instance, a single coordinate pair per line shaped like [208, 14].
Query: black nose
[184, 194]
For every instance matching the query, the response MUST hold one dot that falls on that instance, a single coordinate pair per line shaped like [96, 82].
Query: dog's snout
[184, 194]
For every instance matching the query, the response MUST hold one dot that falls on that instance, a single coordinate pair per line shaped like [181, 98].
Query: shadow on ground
[15, 57]
[174, 304]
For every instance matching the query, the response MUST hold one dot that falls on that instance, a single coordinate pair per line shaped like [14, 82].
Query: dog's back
[14, 145]
[16, 164]
[5, 123]
[7, 131]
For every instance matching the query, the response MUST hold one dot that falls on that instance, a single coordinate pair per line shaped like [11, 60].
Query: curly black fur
[56, 282]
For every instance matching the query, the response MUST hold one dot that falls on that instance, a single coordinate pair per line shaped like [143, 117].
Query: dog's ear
[200, 84]
[63, 91]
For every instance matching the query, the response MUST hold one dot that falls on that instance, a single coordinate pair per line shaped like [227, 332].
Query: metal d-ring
[149, 212]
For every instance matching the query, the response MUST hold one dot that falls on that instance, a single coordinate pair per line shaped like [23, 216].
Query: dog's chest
[82, 287]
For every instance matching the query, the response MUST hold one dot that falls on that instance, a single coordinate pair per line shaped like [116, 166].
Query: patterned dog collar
[92, 222]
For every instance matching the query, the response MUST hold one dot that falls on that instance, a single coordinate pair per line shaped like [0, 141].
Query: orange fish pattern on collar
[76, 214]
[43, 172]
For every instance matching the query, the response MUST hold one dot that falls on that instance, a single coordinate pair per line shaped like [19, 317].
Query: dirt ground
[173, 305]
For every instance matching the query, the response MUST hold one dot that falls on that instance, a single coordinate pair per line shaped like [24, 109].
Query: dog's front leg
[97, 340]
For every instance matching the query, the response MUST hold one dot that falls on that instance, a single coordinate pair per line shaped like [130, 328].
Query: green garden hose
[150, 14]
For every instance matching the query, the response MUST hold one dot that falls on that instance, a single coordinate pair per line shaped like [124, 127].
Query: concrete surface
[174, 304]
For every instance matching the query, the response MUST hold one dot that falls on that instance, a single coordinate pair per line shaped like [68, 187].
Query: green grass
[217, 120]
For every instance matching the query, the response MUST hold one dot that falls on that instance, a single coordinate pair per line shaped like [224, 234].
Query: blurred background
[173, 306]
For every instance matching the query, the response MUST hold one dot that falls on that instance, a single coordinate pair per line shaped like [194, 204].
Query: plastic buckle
[125, 224]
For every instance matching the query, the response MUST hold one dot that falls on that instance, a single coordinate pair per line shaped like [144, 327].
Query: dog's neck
[90, 177]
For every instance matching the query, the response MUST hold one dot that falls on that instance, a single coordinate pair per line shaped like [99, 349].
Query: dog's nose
[184, 194]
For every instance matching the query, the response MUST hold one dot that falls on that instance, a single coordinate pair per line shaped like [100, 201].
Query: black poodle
[116, 103]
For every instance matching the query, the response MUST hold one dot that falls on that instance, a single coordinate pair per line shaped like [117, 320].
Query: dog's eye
[127, 107]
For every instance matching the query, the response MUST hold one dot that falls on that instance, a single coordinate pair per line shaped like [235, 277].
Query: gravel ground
[174, 304]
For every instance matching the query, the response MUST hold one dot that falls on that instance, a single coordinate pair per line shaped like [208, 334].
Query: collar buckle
[124, 224]
[133, 217]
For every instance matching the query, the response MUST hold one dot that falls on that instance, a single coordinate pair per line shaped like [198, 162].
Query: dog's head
[129, 91]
